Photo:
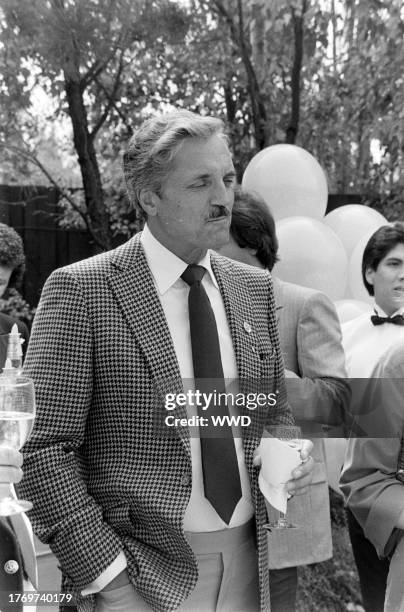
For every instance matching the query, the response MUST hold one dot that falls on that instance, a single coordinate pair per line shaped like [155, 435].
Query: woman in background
[12, 266]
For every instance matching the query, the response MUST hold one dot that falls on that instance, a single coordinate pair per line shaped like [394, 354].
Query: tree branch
[111, 99]
[35, 161]
[113, 105]
[95, 70]
[258, 110]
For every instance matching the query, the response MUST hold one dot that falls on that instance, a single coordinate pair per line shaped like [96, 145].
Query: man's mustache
[219, 211]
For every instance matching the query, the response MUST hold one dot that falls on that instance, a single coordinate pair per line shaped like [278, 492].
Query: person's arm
[59, 359]
[282, 414]
[320, 392]
[368, 480]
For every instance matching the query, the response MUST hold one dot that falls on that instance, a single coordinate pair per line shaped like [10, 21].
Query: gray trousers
[228, 576]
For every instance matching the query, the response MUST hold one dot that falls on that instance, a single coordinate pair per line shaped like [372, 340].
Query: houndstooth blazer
[99, 477]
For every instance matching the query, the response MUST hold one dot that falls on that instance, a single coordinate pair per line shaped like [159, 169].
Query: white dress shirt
[166, 269]
[364, 343]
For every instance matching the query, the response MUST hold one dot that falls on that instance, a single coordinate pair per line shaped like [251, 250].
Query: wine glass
[17, 412]
[290, 434]
[11, 348]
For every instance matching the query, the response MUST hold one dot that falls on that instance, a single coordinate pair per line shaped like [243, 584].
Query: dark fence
[33, 213]
[340, 199]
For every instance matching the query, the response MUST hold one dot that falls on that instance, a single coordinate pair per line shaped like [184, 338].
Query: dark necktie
[221, 476]
[11, 573]
[396, 320]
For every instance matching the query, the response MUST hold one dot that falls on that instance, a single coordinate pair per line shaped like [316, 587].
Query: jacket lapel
[133, 287]
[239, 312]
[237, 303]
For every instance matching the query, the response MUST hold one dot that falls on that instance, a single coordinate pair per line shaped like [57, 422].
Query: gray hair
[155, 144]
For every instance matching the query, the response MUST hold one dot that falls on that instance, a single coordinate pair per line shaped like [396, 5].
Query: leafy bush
[14, 305]
[331, 586]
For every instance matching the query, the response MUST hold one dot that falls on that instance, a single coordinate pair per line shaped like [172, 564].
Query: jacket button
[11, 567]
[185, 480]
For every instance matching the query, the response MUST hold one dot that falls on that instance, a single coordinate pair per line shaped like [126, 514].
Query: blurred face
[388, 280]
[192, 211]
[244, 255]
[5, 273]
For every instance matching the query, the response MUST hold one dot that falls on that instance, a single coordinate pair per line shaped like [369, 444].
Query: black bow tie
[396, 320]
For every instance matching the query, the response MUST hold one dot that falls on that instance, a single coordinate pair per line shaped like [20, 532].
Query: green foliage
[136, 58]
[15, 306]
[331, 586]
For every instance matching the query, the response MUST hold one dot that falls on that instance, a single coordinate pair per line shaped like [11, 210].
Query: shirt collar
[379, 311]
[165, 266]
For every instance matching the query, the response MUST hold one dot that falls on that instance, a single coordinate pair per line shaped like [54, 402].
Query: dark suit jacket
[9, 548]
[368, 479]
[10, 559]
[6, 323]
[100, 477]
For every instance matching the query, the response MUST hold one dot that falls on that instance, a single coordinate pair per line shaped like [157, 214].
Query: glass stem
[5, 491]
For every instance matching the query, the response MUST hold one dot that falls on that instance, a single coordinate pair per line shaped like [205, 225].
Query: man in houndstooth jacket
[121, 505]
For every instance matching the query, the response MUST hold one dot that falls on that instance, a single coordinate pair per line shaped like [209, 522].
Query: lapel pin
[247, 327]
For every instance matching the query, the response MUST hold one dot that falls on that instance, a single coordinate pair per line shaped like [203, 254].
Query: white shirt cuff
[107, 575]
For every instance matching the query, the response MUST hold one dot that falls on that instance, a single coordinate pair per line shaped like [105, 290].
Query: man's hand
[302, 475]
[10, 465]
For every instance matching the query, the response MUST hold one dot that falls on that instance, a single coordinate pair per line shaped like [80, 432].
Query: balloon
[352, 221]
[350, 309]
[355, 280]
[312, 255]
[290, 180]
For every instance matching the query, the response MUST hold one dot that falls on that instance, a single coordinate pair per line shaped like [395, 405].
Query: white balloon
[312, 255]
[352, 221]
[350, 309]
[290, 180]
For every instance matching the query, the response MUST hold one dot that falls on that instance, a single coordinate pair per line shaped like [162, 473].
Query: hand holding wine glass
[280, 456]
[17, 412]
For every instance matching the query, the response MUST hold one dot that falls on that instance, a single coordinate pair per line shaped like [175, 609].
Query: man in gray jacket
[317, 391]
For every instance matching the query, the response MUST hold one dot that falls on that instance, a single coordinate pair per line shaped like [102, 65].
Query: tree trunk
[258, 111]
[259, 114]
[257, 37]
[334, 36]
[298, 25]
[98, 221]
[88, 165]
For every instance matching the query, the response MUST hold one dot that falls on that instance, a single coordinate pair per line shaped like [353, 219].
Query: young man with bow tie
[140, 520]
[367, 337]
[365, 340]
